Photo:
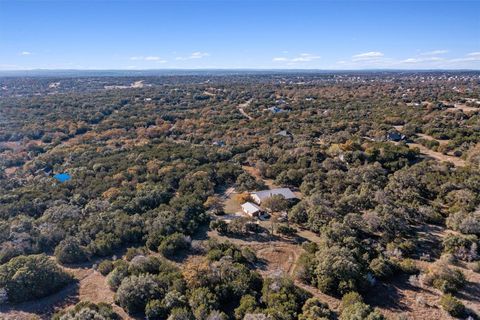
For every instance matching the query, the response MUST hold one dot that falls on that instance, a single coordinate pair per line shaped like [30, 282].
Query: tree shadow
[46, 306]
[471, 292]
[428, 241]
[389, 294]
[201, 233]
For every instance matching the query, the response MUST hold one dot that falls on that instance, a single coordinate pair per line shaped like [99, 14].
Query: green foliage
[115, 278]
[444, 278]
[314, 309]
[69, 250]
[220, 226]
[282, 298]
[286, 230]
[452, 305]
[275, 203]
[133, 252]
[105, 267]
[338, 271]
[104, 244]
[181, 314]
[407, 266]
[381, 268]
[135, 292]
[246, 182]
[32, 277]
[248, 304]
[462, 247]
[353, 308]
[156, 310]
[202, 301]
[87, 310]
[174, 244]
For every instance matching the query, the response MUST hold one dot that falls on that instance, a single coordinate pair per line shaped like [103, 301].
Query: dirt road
[242, 111]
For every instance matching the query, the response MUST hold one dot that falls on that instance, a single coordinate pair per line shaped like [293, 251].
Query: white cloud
[152, 58]
[148, 58]
[303, 57]
[469, 57]
[25, 53]
[198, 55]
[367, 56]
[433, 53]
[194, 55]
[421, 60]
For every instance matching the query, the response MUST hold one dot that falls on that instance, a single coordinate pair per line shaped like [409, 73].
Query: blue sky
[239, 34]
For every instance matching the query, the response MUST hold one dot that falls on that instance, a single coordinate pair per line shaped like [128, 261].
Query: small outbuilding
[251, 209]
[395, 136]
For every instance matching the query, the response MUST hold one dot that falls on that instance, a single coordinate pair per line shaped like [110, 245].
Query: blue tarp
[62, 177]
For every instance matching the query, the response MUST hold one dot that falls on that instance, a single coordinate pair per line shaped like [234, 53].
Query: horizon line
[234, 69]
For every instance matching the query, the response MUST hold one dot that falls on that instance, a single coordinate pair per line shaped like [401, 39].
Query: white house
[251, 209]
[260, 196]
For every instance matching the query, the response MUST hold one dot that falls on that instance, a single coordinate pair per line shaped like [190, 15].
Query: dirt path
[91, 286]
[463, 107]
[458, 162]
[256, 173]
[437, 155]
[427, 137]
[241, 107]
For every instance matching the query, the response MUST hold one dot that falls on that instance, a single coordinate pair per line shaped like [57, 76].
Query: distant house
[219, 143]
[62, 177]
[275, 110]
[395, 136]
[260, 196]
[251, 209]
[284, 133]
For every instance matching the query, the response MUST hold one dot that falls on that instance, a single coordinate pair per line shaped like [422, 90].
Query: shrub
[30, 277]
[282, 298]
[351, 298]
[286, 230]
[338, 271]
[133, 252]
[156, 310]
[181, 314]
[248, 304]
[407, 266]
[249, 254]
[310, 247]
[174, 243]
[104, 244]
[314, 309]
[381, 268]
[462, 247]
[452, 305]
[116, 277]
[220, 226]
[105, 267]
[87, 310]
[135, 292]
[353, 308]
[142, 264]
[70, 251]
[174, 299]
[203, 301]
[443, 278]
